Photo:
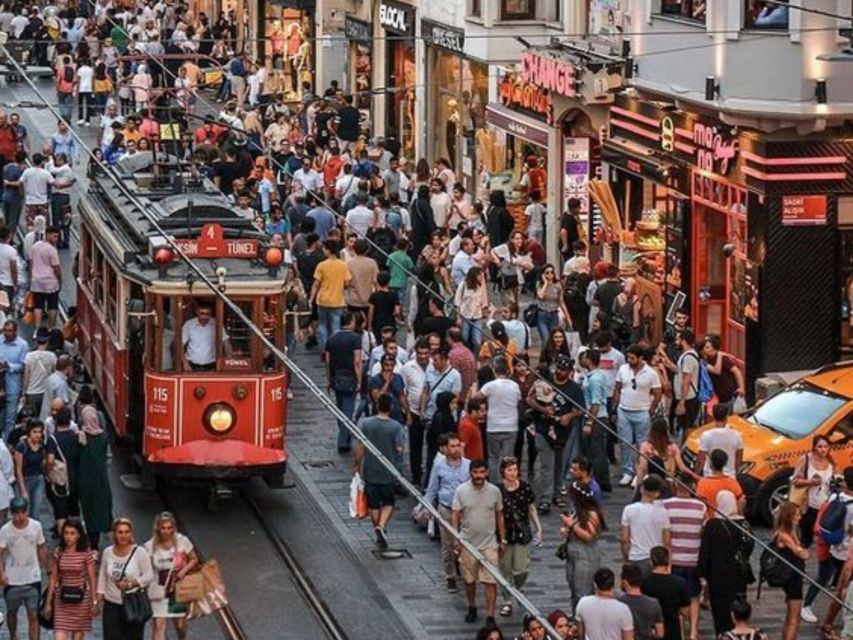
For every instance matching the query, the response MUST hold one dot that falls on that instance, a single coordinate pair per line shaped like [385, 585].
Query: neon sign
[550, 74]
[714, 152]
[517, 94]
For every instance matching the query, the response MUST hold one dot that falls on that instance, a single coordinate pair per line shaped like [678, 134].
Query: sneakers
[808, 615]
[81, 121]
[381, 538]
[544, 508]
[471, 616]
[626, 480]
[451, 585]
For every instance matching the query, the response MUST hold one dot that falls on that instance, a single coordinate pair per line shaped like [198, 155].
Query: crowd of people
[502, 384]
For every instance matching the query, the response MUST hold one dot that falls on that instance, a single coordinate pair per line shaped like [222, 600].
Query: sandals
[827, 632]
[505, 610]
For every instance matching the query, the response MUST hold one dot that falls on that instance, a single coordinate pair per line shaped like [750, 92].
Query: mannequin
[450, 132]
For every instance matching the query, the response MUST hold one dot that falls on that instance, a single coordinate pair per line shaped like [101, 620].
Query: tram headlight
[219, 418]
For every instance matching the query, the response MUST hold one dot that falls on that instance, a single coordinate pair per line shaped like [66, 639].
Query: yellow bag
[800, 495]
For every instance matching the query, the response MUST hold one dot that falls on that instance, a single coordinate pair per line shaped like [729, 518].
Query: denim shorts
[22, 594]
[690, 575]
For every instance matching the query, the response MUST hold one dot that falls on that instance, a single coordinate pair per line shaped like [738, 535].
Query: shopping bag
[740, 405]
[213, 598]
[357, 498]
[190, 588]
[29, 308]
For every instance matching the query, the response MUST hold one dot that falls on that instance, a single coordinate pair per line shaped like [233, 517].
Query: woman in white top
[472, 303]
[83, 82]
[7, 479]
[125, 567]
[172, 557]
[141, 84]
[814, 470]
[513, 262]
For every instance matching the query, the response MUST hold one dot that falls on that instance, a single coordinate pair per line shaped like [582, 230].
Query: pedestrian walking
[786, 542]
[172, 558]
[479, 519]
[448, 472]
[33, 460]
[721, 436]
[331, 277]
[23, 553]
[125, 567]
[386, 434]
[45, 276]
[57, 384]
[13, 353]
[601, 616]
[70, 600]
[523, 529]
[344, 369]
[94, 482]
[645, 524]
[39, 364]
[813, 472]
[646, 611]
[503, 396]
[582, 525]
[670, 591]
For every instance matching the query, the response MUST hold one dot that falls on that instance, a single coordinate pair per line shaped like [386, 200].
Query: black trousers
[116, 627]
[416, 450]
[721, 600]
[594, 449]
[688, 420]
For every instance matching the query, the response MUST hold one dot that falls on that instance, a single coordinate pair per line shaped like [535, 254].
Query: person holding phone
[582, 525]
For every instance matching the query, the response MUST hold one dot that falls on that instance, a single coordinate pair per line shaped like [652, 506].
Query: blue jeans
[345, 401]
[472, 335]
[547, 322]
[634, 428]
[36, 492]
[66, 106]
[328, 323]
[573, 446]
[14, 388]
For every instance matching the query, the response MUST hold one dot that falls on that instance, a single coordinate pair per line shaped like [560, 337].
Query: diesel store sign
[443, 36]
[397, 18]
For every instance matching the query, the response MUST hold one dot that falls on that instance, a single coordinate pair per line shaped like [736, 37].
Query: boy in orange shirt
[708, 488]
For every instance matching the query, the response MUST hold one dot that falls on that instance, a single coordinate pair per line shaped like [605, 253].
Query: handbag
[190, 588]
[531, 315]
[72, 595]
[58, 475]
[799, 495]
[45, 622]
[135, 604]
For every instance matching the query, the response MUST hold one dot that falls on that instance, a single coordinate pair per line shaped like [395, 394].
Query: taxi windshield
[797, 411]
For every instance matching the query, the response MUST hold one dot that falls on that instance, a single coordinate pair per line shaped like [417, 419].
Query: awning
[303, 5]
[518, 125]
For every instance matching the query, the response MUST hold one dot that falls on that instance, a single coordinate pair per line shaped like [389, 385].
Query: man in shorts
[477, 514]
[386, 434]
[46, 277]
[22, 554]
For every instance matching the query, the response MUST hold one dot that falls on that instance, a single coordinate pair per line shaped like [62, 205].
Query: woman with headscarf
[724, 560]
[37, 233]
[423, 221]
[499, 222]
[96, 499]
[141, 84]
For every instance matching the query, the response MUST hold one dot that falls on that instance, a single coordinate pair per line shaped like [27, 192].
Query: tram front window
[198, 338]
[238, 335]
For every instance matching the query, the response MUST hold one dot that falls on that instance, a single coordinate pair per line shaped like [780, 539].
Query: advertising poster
[605, 20]
[576, 172]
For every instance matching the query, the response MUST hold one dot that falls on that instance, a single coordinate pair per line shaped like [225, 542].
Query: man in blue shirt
[594, 440]
[448, 472]
[13, 350]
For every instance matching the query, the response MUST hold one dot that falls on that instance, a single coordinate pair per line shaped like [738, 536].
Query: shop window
[363, 72]
[690, 9]
[97, 277]
[518, 9]
[112, 298]
[765, 15]
[288, 50]
[474, 9]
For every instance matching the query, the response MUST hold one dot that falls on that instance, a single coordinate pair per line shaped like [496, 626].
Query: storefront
[457, 95]
[288, 46]
[397, 20]
[735, 226]
[360, 70]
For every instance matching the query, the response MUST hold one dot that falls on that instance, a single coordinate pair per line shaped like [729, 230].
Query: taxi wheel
[772, 495]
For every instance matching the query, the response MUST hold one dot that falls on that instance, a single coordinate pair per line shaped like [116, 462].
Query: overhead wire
[294, 369]
[321, 198]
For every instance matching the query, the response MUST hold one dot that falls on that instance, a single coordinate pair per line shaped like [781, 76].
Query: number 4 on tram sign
[211, 243]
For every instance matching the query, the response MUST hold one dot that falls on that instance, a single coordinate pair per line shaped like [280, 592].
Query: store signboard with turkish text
[803, 211]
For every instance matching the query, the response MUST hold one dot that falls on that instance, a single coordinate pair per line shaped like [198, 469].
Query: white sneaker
[81, 121]
[626, 480]
[634, 482]
[808, 615]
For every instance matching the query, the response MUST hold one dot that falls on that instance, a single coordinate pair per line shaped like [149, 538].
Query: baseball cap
[498, 329]
[563, 362]
[18, 504]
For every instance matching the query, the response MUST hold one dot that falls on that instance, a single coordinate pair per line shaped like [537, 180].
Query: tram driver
[198, 337]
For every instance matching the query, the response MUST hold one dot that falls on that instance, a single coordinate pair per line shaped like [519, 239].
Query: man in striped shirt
[686, 517]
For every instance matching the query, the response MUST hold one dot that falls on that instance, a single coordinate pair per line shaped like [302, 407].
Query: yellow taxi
[779, 430]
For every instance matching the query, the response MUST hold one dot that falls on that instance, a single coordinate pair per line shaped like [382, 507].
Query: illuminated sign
[519, 95]
[212, 244]
[396, 17]
[803, 211]
[715, 149]
[551, 74]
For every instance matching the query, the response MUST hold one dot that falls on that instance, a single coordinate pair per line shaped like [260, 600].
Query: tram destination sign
[211, 243]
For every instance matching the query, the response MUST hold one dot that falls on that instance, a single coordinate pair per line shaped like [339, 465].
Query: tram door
[135, 367]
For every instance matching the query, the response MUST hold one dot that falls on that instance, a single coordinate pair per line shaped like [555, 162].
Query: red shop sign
[555, 76]
[525, 97]
[212, 244]
[803, 211]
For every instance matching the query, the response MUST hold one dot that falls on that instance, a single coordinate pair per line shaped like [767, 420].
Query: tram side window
[167, 335]
[237, 337]
[97, 277]
[112, 297]
[272, 331]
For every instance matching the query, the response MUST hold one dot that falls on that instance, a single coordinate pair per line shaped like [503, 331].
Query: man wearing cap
[38, 365]
[22, 554]
[13, 351]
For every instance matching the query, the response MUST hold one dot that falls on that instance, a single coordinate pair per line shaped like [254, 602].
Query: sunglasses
[634, 383]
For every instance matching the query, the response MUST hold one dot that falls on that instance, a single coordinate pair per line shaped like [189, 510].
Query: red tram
[143, 318]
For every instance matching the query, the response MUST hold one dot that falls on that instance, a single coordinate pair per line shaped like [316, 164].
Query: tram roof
[180, 205]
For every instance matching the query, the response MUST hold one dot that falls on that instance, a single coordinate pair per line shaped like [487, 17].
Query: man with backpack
[688, 374]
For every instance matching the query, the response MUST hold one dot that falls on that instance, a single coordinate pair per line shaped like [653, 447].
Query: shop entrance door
[719, 250]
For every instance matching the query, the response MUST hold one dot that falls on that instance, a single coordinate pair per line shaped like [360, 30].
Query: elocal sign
[553, 75]
[397, 17]
[440, 35]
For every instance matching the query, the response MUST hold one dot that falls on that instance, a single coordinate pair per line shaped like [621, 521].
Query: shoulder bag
[135, 603]
[67, 593]
[800, 495]
[58, 476]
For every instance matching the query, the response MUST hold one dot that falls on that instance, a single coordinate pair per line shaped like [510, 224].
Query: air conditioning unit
[766, 387]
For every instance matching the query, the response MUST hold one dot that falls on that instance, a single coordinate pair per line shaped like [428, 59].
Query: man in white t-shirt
[636, 393]
[685, 385]
[8, 263]
[602, 616]
[35, 181]
[645, 524]
[720, 436]
[22, 554]
[105, 125]
[503, 396]
[360, 218]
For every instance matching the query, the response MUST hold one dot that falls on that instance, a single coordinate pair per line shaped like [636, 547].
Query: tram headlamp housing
[219, 418]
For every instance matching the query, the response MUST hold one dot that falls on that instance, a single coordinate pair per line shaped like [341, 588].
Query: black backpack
[772, 569]
[576, 286]
[69, 73]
